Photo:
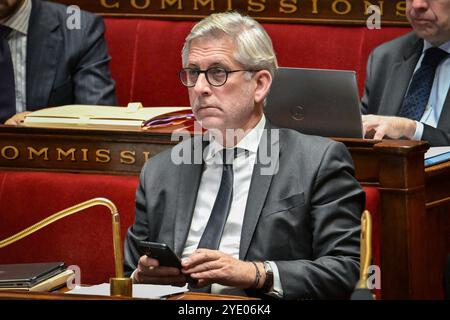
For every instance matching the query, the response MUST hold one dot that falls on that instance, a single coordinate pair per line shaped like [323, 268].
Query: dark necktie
[214, 229]
[7, 85]
[213, 232]
[420, 88]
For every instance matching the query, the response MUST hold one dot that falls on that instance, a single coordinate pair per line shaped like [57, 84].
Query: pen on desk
[167, 120]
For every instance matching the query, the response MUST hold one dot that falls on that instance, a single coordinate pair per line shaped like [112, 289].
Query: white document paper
[433, 151]
[146, 291]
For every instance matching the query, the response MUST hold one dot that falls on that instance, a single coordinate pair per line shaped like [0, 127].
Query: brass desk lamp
[120, 286]
[362, 292]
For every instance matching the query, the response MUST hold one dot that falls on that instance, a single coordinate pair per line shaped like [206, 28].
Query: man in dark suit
[251, 208]
[407, 85]
[58, 58]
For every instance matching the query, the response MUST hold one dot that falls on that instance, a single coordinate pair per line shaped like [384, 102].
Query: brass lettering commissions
[341, 7]
[59, 154]
[62, 153]
[323, 11]
[32, 153]
[127, 157]
[256, 6]
[144, 4]
[170, 3]
[110, 4]
[288, 6]
[9, 152]
[204, 3]
[401, 9]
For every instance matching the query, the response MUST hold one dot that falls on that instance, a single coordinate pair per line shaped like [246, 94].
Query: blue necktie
[419, 90]
[7, 85]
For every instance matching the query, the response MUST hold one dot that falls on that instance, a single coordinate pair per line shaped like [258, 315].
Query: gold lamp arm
[366, 248]
[119, 285]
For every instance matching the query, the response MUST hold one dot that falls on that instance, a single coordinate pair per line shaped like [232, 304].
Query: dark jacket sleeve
[336, 207]
[435, 136]
[92, 82]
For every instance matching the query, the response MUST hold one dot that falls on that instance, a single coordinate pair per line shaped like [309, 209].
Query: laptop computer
[26, 275]
[316, 101]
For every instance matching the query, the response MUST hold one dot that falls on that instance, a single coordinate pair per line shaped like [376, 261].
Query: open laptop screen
[315, 101]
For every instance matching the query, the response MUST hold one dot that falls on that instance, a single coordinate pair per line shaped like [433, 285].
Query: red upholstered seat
[146, 53]
[83, 239]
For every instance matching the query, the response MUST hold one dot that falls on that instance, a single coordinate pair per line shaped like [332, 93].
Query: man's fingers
[200, 256]
[379, 134]
[206, 266]
[146, 261]
[159, 271]
[177, 280]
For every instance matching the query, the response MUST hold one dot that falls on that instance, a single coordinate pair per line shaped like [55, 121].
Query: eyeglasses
[215, 76]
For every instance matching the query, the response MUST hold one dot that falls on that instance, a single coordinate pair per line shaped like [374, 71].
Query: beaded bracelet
[257, 277]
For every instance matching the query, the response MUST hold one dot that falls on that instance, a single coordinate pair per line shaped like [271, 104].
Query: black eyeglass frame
[199, 71]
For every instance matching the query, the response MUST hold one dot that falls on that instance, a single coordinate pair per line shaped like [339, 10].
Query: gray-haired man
[290, 234]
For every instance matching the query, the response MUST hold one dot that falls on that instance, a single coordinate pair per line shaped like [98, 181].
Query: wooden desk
[18, 295]
[414, 215]
[414, 202]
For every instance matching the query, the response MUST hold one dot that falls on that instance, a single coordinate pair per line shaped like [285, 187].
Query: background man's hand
[390, 127]
[212, 266]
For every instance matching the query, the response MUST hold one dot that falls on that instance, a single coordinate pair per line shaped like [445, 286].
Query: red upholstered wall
[84, 239]
[146, 53]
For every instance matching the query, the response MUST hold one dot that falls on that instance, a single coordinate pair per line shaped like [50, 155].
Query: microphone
[362, 292]
[119, 285]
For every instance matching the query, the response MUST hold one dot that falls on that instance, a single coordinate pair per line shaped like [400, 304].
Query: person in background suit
[291, 231]
[54, 64]
[391, 91]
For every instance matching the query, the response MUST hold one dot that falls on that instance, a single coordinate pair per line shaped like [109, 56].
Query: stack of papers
[146, 291]
[79, 115]
[437, 155]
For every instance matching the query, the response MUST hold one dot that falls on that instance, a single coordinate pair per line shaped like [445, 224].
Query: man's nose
[202, 85]
[419, 4]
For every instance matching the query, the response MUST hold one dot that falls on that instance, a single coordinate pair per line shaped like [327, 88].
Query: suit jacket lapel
[43, 48]
[189, 177]
[399, 79]
[259, 186]
[444, 119]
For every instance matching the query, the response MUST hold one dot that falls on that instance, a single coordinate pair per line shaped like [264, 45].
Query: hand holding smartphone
[165, 256]
[160, 252]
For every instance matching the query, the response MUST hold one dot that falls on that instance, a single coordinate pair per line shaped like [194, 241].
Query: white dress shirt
[17, 41]
[209, 187]
[438, 93]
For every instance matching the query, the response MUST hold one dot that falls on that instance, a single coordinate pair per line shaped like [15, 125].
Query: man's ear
[263, 81]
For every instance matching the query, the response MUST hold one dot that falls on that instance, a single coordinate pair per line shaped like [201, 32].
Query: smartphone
[160, 252]
[165, 256]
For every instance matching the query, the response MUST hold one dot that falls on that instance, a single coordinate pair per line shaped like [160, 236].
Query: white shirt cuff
[277, 290]
[132, 276]
[419, 131]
